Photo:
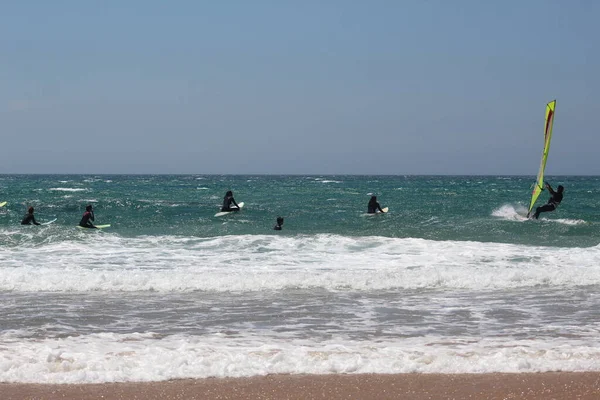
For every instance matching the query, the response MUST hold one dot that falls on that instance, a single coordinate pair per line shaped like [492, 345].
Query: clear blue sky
[301, 87]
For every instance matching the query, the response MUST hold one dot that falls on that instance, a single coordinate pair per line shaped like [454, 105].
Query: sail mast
[539, 183]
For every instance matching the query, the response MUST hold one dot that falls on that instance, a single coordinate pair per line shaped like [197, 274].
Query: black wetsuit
[85, 220]
[553, 202]
[277, 227]
[29, 219]
[373, 207]
[227, 201]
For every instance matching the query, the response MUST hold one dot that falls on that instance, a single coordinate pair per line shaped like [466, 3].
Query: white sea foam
[323, 180]
[519, 213]
[61, 189]
[109, 357]
[511, 212]
[567, 221]
[252, 263]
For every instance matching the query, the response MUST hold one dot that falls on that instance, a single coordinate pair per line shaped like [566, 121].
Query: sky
[298, 87]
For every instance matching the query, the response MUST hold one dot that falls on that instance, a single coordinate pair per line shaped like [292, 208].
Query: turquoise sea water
[452, 279]
[437, 208]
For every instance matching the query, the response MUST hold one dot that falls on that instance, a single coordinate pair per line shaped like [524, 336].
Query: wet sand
[546, 386]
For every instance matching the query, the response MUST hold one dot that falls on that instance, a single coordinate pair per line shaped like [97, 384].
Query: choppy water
[452, 279]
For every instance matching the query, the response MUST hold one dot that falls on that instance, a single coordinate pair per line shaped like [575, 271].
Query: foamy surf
[511, 212]
[267, 262]
[446, 283]
[518, 213]
[110, 357]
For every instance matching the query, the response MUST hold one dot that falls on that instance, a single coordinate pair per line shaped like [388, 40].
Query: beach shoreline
[548, 385]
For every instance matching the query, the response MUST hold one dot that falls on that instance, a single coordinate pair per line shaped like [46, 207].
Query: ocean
[453, 279]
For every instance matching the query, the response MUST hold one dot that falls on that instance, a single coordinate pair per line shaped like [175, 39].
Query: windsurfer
[555, 199]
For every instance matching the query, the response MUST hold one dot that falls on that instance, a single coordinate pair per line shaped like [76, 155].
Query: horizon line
[274, 174]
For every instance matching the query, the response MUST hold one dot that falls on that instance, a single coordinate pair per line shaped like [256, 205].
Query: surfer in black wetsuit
[279, 224]
[227, 201]
[373, 206]
[553, 202]
[88, 216]
[29, 218]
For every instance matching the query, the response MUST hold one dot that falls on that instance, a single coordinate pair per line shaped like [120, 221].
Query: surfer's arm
[34, 221]
[236, 204]
[91, 218]
[550, 188]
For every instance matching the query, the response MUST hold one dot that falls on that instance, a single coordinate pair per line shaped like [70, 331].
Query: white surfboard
[49, 222]
[384, 209]
[97, 226]
[3, 203]
[221, 213]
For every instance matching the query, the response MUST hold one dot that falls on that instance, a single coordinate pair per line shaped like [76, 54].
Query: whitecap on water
[568, 221]
[61, 189]
[511, 213]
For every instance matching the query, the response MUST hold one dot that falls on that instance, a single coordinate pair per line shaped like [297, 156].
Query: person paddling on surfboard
[553, 202]
[228, 201]
[373, 206]
[29, 219]
[88, 216]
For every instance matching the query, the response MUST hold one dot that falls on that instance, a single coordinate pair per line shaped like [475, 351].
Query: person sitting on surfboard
[553, 202]
[373, 206]
[227, 201]
[279, 226]
[87, 216]
[29, 218]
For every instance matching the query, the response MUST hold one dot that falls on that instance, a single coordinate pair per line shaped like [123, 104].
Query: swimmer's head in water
[279, 220]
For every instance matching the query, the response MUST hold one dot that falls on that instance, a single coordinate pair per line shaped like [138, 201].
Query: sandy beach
[552, 385]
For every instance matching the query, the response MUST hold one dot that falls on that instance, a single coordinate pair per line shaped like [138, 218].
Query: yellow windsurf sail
[539, 183]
